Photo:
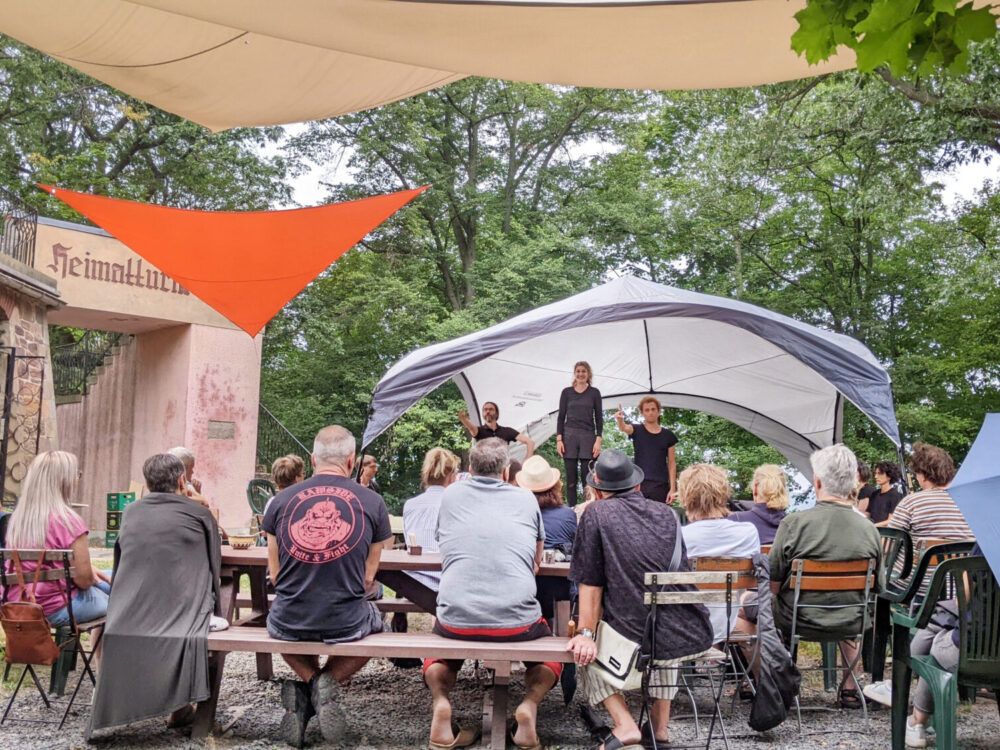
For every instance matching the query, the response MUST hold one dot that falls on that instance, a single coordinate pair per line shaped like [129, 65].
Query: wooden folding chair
[839, 576]
[69, 648]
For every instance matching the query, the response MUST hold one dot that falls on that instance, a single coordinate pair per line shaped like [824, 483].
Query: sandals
[512, 730]
[463, 738]
[613, 743]
[851, 699]
[647, 738]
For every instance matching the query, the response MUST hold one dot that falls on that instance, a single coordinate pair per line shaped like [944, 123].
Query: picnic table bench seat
[495, 656]
[390, 606]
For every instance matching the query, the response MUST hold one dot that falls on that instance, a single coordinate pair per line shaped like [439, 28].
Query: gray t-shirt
[488, 532]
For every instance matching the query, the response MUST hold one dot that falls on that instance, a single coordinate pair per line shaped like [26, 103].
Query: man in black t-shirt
[490, 429]
[654, 450]
[324, 539]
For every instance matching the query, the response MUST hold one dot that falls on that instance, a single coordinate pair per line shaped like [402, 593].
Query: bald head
[333, 448]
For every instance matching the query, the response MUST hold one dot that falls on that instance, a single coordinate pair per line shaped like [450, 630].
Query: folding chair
[734, 642]
[706, 664]
[840, 576]
[71, 647]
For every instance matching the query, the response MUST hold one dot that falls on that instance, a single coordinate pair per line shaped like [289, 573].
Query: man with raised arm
[490, 429]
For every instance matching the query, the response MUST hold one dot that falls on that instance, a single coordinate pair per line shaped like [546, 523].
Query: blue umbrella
[976, 489]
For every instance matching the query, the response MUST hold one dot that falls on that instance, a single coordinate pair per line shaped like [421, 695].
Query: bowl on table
[242, 538]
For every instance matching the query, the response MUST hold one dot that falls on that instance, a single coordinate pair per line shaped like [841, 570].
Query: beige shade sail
[226, 63]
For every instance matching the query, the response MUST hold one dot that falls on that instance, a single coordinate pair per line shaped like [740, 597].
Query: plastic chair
[259, 491]
[978, 594]
[904, 590]
[69, 642]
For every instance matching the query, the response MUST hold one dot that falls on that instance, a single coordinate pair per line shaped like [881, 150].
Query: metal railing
[274, 440]
[18, 227]
[73, 364]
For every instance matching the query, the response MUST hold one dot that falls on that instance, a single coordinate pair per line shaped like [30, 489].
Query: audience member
[882, 504]
[770, 502]
[831, 531]
[44, 519]
[560, 526]
[369, 467]
[513, 469]
[654, 450]
[704, 492]
[288, 470]
[324, 539]
[865, 490]
[420, 513]
[931, 512]
[157, 626]
[622, 537]
[488, 530]
[187, 458]
[490, 429]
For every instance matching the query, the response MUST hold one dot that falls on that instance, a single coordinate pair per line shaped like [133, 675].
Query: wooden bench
[390, 606]
[495, 656]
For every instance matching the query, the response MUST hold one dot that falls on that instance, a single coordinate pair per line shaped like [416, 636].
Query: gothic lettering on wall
[133, 273]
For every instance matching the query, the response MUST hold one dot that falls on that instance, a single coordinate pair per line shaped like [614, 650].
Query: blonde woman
[579, 427]
[288, 470]
[770, 502]
[704, 491]
[43, 519]
[420, 513]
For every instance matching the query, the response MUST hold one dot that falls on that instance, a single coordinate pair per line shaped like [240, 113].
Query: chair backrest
[897, 556]
[63, 570]
[742, 567]
[711, 587]
[259, 491]
[841, 575]
[765, 549]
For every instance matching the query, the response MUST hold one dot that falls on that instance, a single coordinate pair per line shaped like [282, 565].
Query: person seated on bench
[43, 519]
[324, 539]
[490, 534]
[420, 513]
[620, 539]
[288, 470]
[166, 586]
[770, 502]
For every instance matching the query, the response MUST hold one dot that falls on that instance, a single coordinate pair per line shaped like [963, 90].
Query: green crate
[110, 537]
[118, 501]
[114, 520]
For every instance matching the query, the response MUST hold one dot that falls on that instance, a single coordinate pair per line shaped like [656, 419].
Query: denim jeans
[88, 604]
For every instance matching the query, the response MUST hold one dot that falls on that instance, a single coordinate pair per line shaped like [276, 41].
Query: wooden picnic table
[392, 572]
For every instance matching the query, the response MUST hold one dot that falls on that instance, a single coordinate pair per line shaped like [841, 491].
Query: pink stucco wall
[165, 389]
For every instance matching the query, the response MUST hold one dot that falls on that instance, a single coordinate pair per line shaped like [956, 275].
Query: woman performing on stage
[578, 430]
[654, 450]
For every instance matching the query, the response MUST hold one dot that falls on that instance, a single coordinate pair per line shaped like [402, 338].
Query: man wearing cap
[620, 538]
[490, 429]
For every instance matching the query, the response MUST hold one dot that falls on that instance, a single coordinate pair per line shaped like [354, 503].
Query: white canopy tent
[782, 380]
[226, 63]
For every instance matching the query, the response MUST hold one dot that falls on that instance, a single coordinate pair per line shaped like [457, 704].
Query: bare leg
[538, 681]
[306, 667]
[342, 668]
[849, 650]
[440, 678]
[750, 628]
[661, 720]
[625, 728]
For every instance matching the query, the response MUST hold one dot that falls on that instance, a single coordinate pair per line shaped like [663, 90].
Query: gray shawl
[165, 588]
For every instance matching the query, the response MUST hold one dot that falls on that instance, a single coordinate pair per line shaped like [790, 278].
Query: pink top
[49, 594]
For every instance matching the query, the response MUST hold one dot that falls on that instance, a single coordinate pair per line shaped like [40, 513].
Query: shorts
[654, 489]
[663, 682]
[538, 629]
[373, 623]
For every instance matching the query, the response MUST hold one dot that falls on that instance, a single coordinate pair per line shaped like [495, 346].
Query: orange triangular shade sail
[248, 265]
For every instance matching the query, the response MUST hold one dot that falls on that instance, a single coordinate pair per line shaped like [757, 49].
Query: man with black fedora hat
[620, 538]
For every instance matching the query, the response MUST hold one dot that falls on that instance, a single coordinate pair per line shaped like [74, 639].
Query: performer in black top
[654, 450]
[579, 427]
[489, 428]
[883, 503]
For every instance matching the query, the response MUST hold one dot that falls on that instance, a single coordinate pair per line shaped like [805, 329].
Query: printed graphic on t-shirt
[322, 524]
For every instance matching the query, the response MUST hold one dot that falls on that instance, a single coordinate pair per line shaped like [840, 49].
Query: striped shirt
[930, 513]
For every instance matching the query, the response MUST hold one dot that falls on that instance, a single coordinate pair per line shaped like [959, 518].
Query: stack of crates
[117, 502]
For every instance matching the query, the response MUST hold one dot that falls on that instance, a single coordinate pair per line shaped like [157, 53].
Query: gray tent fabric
[780, 379]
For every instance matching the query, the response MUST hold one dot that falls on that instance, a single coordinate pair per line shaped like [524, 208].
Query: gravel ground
[390, 708]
